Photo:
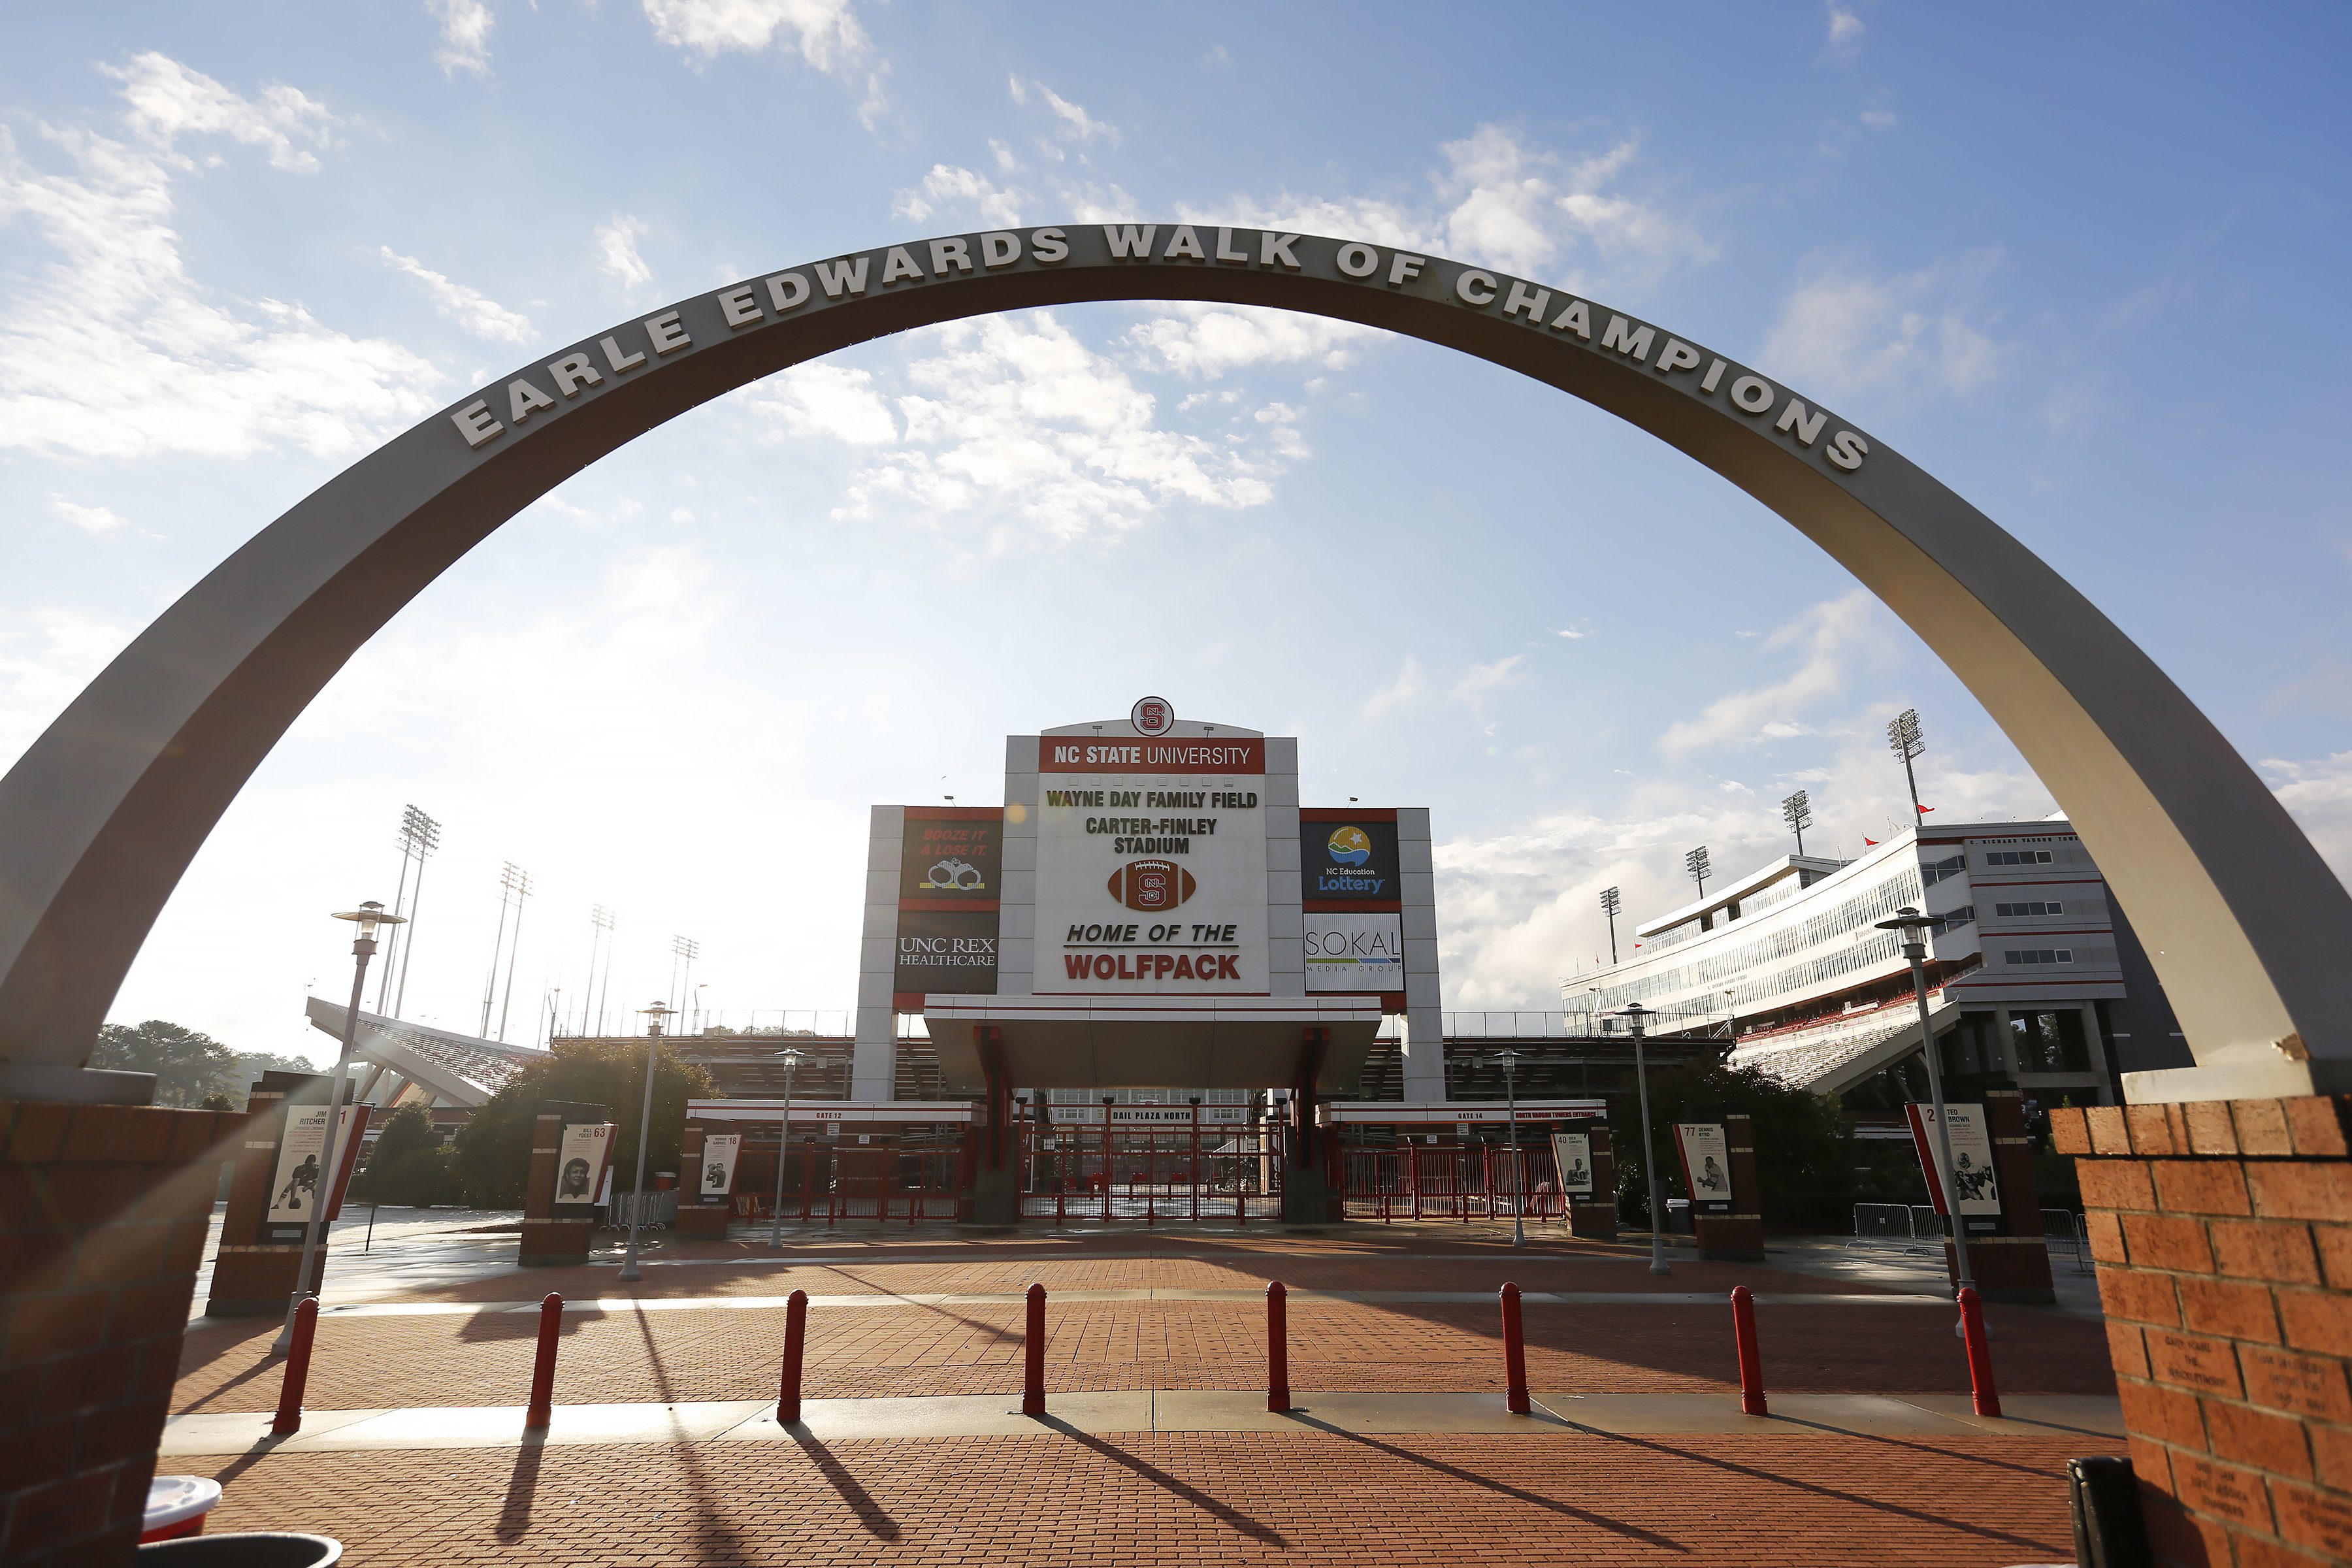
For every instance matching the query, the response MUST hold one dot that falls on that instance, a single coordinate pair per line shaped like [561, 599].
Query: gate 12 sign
[1971, 1156]
[1572, 1152]
[581, 1156]
[720, 1150]
[1707, 1164]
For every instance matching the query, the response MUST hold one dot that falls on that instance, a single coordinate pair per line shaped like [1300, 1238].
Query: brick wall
[102, 1217]
[2224, 1234]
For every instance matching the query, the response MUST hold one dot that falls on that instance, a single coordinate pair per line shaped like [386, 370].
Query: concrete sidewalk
[1150, 1410]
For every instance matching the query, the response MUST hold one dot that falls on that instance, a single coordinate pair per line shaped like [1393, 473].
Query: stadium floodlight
[1610, 905]
[1695, 864]
[1903, 739]
[420, 837]
[1797, 811]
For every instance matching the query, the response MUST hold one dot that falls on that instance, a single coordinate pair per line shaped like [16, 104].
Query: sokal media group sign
[1355, 953]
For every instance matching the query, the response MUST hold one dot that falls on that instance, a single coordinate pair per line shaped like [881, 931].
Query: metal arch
[2246, 925]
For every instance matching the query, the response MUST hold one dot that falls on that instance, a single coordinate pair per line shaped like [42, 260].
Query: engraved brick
[2317, 1125]
[2165, 1415]
[2223, 1491]
[2108, 1134]
[2319, 1520]
[2262, 1127]
[2168, 1241]
[2137, 1297]
[2223, 1307]
[2302, 1189]
[2254, 1552]
[2264, 1250]
[2302, 1385]
[2316, 1320]
[2190, 1361]
[2267, 1442]
[2200, 1187]
[2210, 1132]
[2115, 1184]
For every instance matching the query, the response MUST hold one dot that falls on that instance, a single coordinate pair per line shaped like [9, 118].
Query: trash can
[243, 1549]
[1678, 1216]
[176, 1506]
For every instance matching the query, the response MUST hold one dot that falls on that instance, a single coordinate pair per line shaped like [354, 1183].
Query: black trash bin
[250, 1549]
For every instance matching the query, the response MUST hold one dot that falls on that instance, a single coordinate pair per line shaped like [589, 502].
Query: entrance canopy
[1125, 1042]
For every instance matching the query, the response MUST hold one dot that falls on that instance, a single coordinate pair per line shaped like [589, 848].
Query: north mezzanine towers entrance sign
[102, 816]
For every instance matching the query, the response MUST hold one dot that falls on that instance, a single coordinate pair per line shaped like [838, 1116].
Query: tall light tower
[601, 920]
[1798, 813]
[419, 836]
[685, 950]
[1610, 905]
[1695, 864]
[1904, 739]
[514, 886]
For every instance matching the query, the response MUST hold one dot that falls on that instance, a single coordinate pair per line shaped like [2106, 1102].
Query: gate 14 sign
[1572, 1152]
[1971, 1156]
[720, 1150]
[1706, 1164]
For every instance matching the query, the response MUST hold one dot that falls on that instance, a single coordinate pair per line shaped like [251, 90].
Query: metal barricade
[1882, 1225]
[659, 1210]
[2064, 1228]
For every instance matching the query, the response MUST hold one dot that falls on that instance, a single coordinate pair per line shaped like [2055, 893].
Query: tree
[408, 1165]
[1804, 1144]
[491, 1160]
[187, 1065]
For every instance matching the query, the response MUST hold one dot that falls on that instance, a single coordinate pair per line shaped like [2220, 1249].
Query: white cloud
[2319, 796]
[112, 350]
[1207, 341]
[948, 184]
[1826, 637]
[1017, 419]
[1480, 680]
[465, 36]
[1074, 123]
[617, 253]
[1846, 32]
[824, 33]
[1842, 331]
[1409, 685]
[169, 102]
[477, 312]
[1580, 630]
[98, 520]
[1876, 118]
[46, 657]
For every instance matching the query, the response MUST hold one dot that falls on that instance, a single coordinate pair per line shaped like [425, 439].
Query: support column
[2094, 1049]
[552, 1233]
[1737, 1237]
[873, 1051]
[996, 1183]
[2225, 1267]
[697, 1216]
[1306, 1196]
[1424, 1018]
[2013, 1265]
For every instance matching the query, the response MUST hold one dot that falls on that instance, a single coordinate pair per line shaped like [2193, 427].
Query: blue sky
[2084, 265]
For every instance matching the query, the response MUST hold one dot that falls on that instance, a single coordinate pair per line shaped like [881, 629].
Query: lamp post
[1510, 1059]
[1636, 1016]
[367, 917]
[783, 1150]
[654, 1017]
[1913, 927]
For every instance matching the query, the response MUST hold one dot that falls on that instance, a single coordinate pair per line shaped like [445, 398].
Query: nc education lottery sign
[1151, 866]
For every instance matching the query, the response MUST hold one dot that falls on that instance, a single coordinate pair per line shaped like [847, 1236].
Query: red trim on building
[1347, 813]
[953, 813]
[1352, 907]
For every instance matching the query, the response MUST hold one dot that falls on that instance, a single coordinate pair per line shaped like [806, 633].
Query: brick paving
[1076, 1499]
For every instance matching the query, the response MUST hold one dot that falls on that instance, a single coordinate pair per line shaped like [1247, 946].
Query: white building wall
[874, 1053]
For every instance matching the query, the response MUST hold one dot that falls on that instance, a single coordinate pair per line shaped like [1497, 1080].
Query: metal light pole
[1903, 739]
[1797, 811]
[783, 1150]
[1609, 904]
[1635, 1014]
[1511, 1099]
[1695, 864]
[368, 917]
[1913, 927]
[654, 1017]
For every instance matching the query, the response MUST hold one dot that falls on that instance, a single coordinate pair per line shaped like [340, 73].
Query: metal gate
[824, 1185]
[1464, 1182]
[1150, 1163]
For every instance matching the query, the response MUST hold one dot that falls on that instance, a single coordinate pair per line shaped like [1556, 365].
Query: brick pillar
[1595, 1219]
[253, 1277]
[695, 1216]
[102, 1217]
[1737, 1237]
[2013, 1265]
[545, 1238]
[2223, 1235]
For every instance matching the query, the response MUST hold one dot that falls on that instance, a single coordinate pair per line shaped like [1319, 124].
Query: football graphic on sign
[1149, 884]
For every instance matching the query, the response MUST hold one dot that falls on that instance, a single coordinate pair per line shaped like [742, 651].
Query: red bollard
[543, 1372]
[297, 1376]
[1033, 1377]
[1972, 1329]
[1514, 1355]
[788, 1393]
[1277, 1347]
[1751, 1360]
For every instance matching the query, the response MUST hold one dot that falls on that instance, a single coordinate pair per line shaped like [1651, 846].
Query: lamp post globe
[1636, 1018]
[791, 1060]
[368, 919]
[654, 1015]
